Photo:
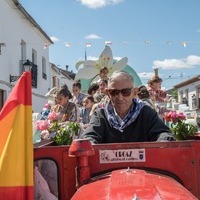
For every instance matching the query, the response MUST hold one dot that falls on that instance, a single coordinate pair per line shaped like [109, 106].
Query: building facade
[189, 92]
[22, 39]
[61, 77]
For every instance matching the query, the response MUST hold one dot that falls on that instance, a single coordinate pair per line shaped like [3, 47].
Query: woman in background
[68, 110]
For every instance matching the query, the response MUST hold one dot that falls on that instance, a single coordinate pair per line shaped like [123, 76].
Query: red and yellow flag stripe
[16, 146]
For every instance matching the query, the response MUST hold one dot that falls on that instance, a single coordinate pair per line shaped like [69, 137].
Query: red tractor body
[152, 170]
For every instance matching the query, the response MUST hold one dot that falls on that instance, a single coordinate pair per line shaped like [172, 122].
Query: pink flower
[174, 117]
[181, 116]
[53, 116]
[42, 125]
[47, 106]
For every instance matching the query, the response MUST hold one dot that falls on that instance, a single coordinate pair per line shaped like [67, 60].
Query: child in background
[93, 89]
[101, 92]
[77, 94]
[144, 95]
[85, 110]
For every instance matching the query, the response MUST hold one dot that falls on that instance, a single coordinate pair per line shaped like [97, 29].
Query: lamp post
[26, 67]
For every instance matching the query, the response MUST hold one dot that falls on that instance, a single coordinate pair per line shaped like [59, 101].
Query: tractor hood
[132, 184]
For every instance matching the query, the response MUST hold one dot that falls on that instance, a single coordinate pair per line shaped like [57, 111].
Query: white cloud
[95, 4]
[92, 36]
[171, 64]
[193, 60]
[54, 39]
[117, 58]
[185, 63]
[95, 58]
[146, 75]
[92, 58]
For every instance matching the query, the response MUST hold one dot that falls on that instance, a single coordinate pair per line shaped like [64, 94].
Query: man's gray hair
[123, 75]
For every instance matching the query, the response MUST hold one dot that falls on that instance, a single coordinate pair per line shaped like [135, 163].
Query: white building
[188, 90]
[61, 77]
[21, 38]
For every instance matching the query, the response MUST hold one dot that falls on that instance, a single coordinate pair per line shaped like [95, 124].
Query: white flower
[91, 68]
[44, 134]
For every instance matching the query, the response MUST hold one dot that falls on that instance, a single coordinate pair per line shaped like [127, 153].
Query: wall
[192, 89]
[14, 27]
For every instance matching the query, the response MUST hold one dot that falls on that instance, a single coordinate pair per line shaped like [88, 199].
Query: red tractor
[125, 171]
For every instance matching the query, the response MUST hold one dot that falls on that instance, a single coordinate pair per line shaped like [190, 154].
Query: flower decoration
[91, 69]
[53, 116]
[42, 125]
[61, 133]
[178, 126]
[174, 117]
[44, 134]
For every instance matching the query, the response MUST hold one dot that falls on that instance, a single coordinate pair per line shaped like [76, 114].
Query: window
[23, 56]
[34, 56]
[198, 97]
[180, 96]
[55, 81]
[44, 73]
[186, 96]
[23, 50]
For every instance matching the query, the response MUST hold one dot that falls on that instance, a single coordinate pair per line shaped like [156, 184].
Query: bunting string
[123, 43]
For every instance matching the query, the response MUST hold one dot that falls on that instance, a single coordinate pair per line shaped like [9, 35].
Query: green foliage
[182, 130]
[175, 94]
[65, 135]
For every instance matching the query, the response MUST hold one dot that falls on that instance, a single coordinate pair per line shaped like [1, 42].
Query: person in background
[154, 88]
[124, 118]
[85, 110]
[45, 111]
[100, 97]
[158, 96]
[143, 94]
[93, 89]
[194, 102]
[104, 73]
[101, 92]
[68, 110]
[77, 95]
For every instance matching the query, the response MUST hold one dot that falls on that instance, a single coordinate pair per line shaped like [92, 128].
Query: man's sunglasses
[125, 92]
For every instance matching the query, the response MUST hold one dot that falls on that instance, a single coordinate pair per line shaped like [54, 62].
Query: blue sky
[151, 33]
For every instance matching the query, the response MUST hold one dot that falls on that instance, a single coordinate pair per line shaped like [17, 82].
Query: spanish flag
[16, 146]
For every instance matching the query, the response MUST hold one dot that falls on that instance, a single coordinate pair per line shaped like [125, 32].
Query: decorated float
[119, 171]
